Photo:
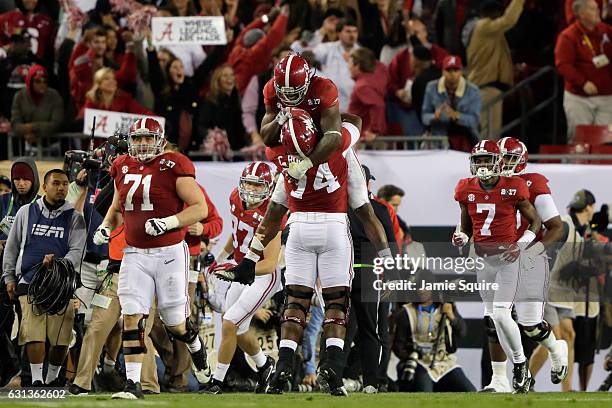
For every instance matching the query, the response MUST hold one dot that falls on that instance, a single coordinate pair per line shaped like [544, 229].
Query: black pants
[454, 381]
[369, 327]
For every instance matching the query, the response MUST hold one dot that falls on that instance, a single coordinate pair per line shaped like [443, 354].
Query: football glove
[297, 171]
[243, 273]
[102, 235]
[159, 226]
[282, 116]
[460, 239]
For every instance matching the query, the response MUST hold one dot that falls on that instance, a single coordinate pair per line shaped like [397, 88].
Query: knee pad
[296, 306]
[491, 330]
[135, 335]
[190, 333]
[539, 332]
[338, 300]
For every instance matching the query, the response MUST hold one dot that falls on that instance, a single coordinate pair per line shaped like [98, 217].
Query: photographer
[573, 287]
[24, 190]
[47, 239]
[425, 340]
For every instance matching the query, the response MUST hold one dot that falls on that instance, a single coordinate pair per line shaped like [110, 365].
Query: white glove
[282, 116]
[102, 235]
[298, 170]
[460, 239]
[158, 226]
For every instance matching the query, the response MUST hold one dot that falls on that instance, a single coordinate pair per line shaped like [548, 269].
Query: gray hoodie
[16, 242]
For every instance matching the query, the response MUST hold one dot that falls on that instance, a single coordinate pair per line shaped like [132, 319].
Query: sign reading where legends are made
[107, 122]
[188, 30]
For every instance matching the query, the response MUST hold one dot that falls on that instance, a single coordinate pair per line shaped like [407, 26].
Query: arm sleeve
[471, 118]
[156, 78]
[209, 64]
[250, 100]
[506, 21]
[565, 61]
[105, 198]
[74, 191]
[76, 240]
[13, 246]
[16, 117]
[127, 71]
[273, 38]
[545, 206]
[49, 127]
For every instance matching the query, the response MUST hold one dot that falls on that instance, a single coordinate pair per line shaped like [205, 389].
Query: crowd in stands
[58, 58]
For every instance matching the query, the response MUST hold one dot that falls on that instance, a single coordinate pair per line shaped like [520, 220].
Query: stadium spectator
[5, 188]
[253, 48]
[375, 22]
[88, 57]
[605, 11]
[221, 110]
[28, 17]
[326, 33]
[391, 197]
[368, 96]
[424, 72]
[253, 108]
[37, 111]
[489, 59]
[333, 57]
[105, 95]
[400, 108]
[14, 69]
[176, 93]
[395, 41]
[24, 254]
[452, 106]
[582, 56]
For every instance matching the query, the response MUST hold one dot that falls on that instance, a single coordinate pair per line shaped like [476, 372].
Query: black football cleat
[329, 380]
[132, 391]
[279, 381]
[214, 387]
[263, 376]
[521, 379]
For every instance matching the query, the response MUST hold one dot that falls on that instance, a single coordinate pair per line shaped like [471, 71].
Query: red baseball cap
[452, 62]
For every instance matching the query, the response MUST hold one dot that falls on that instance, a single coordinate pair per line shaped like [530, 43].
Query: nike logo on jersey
[167, 262]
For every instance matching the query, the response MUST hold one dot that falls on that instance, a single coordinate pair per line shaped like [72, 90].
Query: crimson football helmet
[255, 173]
[299, 134]
[485, 170]
[513, 156]
[146, 127]
[291, 79]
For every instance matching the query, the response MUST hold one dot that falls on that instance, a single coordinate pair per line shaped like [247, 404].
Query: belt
[94, 258]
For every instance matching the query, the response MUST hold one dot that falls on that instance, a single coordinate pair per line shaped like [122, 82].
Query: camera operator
[24, 190]
[573, 286]
[425, 340]
[47, 239]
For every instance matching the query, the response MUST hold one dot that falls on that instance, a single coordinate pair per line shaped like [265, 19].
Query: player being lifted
[533, 271]
[248, 204]
[157, 198]
[489, 204]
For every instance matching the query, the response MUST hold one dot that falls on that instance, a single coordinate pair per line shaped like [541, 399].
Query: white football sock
[37, 372]
[132, 371]
[221, 371]
[52, 372]
[260, 358]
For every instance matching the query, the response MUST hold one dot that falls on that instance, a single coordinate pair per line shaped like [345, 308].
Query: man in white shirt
[334, 56]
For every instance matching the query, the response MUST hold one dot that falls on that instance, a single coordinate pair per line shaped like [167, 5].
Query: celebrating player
[156, 197]
[318, 246]
[488, 213]
[534, 271]
[248, 204]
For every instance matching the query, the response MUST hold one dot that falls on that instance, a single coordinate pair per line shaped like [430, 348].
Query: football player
[318, 246]
[156, 197]
[294, 85]
[248, 204]
[489, 204]
[534, 271]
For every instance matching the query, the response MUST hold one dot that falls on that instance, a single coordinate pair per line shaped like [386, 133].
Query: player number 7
[490, 209]
[137, 179]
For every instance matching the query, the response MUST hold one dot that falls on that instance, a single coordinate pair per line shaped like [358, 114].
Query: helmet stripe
[294, 139]
[288, 69]
[254, 171]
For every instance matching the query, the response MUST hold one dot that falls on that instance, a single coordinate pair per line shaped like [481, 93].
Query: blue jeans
[408, 120]
[309, 341]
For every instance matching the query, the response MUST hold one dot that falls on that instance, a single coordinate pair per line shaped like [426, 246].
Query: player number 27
[137, 180]
[485, 231]
[323, 179]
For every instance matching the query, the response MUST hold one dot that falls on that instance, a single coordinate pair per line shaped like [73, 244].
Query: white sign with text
[188, 30]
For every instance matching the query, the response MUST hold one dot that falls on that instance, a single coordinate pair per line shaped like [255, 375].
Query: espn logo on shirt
[42, 230]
